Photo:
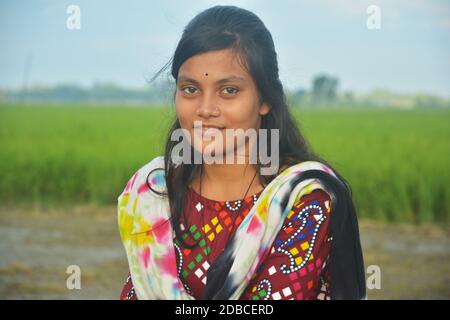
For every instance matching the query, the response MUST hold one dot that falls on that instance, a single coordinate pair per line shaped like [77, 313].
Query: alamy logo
[73, 22]
[228, 146]
[74, 279]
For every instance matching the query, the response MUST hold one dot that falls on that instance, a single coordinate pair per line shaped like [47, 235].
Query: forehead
[215, 64]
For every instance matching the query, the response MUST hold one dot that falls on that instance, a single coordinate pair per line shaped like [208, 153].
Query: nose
[208, 108]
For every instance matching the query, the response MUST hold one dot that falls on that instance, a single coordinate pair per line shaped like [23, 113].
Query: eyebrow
[221, 81]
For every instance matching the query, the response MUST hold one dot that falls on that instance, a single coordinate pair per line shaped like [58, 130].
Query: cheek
[246, 117]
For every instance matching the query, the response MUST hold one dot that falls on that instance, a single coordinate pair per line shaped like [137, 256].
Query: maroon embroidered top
[295, 269]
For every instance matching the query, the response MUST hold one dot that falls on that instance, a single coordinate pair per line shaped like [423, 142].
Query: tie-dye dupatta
[147, 234]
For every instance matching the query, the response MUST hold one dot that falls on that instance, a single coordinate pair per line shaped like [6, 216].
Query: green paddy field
[396, 161]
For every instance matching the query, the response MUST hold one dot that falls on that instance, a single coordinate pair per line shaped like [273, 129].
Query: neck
[228, 181]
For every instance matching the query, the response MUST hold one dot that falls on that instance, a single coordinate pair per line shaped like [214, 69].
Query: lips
[205, 133]
[209, 127]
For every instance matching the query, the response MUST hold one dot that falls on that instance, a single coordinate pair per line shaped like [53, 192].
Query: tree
[324, 89]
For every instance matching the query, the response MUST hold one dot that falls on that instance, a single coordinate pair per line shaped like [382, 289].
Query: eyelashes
[235, 91]
[188, 88]
[228, 91]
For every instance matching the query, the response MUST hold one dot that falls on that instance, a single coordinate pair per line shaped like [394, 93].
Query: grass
[395, 160]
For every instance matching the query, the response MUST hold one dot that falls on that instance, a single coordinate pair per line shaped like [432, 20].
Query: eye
[230, 91]
[189, 89]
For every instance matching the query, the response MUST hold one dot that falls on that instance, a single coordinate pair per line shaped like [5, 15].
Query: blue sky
[125, 41]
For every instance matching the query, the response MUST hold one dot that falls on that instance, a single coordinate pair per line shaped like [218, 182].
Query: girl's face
[215, 89]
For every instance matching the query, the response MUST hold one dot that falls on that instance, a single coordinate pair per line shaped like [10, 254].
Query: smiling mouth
[208, 127]
[204, 131]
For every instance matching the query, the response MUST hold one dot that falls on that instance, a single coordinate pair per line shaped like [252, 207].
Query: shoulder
[136, 198]
[317, 199]
[316, 180]
[140, 177]
[306, 166]
[154, 164]
[312, 191]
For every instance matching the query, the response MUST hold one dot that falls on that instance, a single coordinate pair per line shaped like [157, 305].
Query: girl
[214, 230]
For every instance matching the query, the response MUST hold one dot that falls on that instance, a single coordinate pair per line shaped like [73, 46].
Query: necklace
[237, 206]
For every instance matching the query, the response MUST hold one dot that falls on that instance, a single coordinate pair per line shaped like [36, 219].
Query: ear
[264, 109]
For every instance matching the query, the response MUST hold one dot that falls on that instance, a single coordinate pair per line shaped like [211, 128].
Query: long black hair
[231, 27]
